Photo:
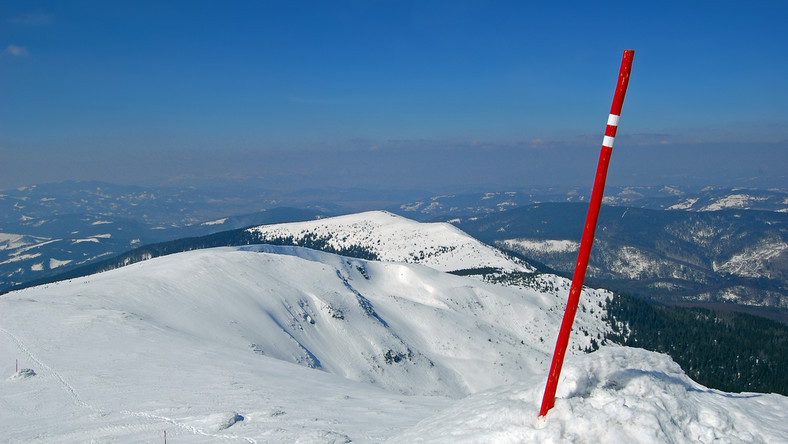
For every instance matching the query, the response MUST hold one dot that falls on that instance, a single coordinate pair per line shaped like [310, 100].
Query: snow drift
[615, 395]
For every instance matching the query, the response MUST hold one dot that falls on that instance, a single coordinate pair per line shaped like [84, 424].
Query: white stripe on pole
[613, 120]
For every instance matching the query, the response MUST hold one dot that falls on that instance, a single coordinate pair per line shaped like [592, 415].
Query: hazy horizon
[391, 95]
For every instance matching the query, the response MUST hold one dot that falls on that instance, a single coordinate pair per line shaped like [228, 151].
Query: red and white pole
[588, 233]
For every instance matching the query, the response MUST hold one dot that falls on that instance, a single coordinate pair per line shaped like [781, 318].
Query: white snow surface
[20, 243]
[215, 222]
[306, 346]
[285, 344]
[615, 395]
[54, 263]
[397, 239]
[542, 245]
[732, 201]
[686, 204]
[753, 260]
[10, 241]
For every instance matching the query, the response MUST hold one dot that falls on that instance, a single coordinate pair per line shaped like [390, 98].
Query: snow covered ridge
[290, 339]
[287, 344]
[754, 259]
[394, 238]
[733, 199]
[541, 245]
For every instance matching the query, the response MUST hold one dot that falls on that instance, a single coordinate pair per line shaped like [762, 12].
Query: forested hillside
[738, 256]
[729, 351]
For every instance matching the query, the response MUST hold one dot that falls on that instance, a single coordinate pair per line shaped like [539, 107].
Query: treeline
[729, 351]
[222, 239]
[316, 242]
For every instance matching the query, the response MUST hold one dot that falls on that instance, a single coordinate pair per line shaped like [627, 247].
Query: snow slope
[185, 342]
[285, 344]
[397, 239]
[754, 260]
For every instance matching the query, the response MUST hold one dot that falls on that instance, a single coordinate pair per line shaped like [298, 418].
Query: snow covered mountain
[388, 237]
[449, 206]
[184, 343]
[711, 199]
[286, 344]
[729, 256]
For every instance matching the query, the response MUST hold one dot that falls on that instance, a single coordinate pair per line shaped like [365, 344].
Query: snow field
[186, 342]
[615, 395]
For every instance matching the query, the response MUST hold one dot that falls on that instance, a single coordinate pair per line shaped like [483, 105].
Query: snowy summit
[394, 238]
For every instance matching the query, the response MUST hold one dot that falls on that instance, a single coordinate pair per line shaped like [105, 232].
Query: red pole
[588, 233]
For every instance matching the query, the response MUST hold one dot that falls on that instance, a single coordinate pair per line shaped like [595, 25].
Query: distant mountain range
[670, 244]
[442, 207]
[724, 256]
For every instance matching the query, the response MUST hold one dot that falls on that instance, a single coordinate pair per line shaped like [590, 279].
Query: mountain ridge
[393, 238]
[670, 256]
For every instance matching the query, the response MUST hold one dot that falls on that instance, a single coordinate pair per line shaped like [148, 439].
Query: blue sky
[429, 94]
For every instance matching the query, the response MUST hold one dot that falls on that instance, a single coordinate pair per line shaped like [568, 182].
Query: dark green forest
[729, 351]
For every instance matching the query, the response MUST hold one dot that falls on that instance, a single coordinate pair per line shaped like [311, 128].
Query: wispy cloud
[32, 19]
[536, 143]
[16, 51]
